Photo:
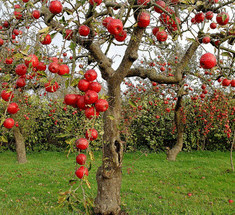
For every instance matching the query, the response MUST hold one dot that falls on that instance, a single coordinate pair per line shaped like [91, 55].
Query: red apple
[209, 15]
[84, 30]
[90, 112]
[121, 37]
[36, 14]
[161, 36]
[95, 86]
[213, 25]
[199, 17]
[83, 85]
[9, 123]
[81, 159]
[45, 39]
[101, 105]
[63, 69]
[82, 143]
[54, 67]
[12, 108]
[143, 19]
[21, 69]
[115, 26]
[90, 97]
[20, 82]
[55, 7]
[160, 3]
[91, 134]
[70, 99]
[208, 61]
[206, 39]
[81, 172]
[90, 75]
[32, 59]
[95, 2]
[222, 18]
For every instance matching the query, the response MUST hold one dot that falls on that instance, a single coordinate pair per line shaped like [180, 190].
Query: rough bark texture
[20, 145]
[172, 153]
[109, 175]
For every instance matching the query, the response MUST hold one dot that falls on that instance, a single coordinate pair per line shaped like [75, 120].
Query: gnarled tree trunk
[109, 175]
[20, 145]
[172, 153]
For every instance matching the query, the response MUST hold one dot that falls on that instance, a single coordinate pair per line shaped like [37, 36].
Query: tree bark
[20, 145]
[172, 153]
[109, 175]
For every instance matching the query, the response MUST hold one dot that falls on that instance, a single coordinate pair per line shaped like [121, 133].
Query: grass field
[151, 185]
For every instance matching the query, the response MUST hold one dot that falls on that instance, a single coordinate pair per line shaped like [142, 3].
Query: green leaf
[75, 82]
[227, 54]
[132, 103]
[72, 46]
[63, 135]
[7, 77]
[3, 139]
[66, 75]
[67, 83]
[191, 39]
[44, 30]
[111, 117]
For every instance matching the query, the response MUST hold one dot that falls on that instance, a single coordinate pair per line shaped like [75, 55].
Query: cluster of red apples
[92, 106]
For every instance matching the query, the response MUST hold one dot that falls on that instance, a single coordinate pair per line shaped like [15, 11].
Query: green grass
[151, 185]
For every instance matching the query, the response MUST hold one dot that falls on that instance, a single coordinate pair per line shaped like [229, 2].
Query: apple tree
[110, 36]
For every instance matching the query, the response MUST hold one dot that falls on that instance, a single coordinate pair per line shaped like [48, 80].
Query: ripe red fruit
[90, 112]
[83, 85]
[1, 42]
[21, 69]
[90, 97]
[155, 30]
[68, 34]
[230, 201]
[208, 61]
[82, 143]
[95, 86]
[12, 108]
[209, 15]
[55, 7]
[160, 3]
[81, 103]
[189, 194]
[161, 36]
[41, 66]
[199, 17]
[63, 69]
[226, 82]
[45, 39]
[233, 83]
[203, 86]
[51, 88]
[95, 2]
[115, 26]
[91, 134]
[84, 30]
[121, 37]
[70, 99]
[106, 21]
[9, 123]
[33, 59]
[143, 19]
[143, 2]
[206, 39]
[6, 95]
[213, 25]
[81, 159]
[101, 105]
[9, 61]
[90, 75]
[81, 172]
[6, 24]
[222, 18]
[36, 14]
[54, 67]
[20, 82]
[18, 15]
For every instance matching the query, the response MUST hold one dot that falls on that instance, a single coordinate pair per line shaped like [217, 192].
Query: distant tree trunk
[172, 153]
[109, 175]
[20, 145]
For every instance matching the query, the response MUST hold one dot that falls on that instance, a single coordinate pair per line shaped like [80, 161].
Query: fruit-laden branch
[152, 73]
[103, 61]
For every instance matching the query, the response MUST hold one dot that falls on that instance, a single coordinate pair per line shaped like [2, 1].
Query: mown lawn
[151, 185]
